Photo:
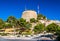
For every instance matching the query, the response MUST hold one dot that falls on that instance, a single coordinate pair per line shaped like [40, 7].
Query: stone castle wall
[29, 14]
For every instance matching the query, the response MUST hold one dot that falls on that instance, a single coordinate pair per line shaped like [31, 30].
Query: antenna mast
[25, 8]
[38, 9]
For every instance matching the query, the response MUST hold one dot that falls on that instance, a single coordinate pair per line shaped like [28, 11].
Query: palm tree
[13, 21]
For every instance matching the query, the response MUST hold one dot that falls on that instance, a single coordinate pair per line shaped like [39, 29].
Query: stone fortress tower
[28, 14]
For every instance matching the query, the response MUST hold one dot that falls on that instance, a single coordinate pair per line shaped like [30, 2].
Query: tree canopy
[32, 20]
[40, 16]
[39, 28]
[52, 27]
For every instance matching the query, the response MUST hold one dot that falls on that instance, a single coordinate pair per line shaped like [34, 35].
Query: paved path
[25, 40]
[1, 39]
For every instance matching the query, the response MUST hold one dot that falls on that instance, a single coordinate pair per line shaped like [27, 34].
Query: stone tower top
[28, 14]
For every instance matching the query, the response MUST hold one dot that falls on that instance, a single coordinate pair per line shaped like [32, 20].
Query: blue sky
[49, 8]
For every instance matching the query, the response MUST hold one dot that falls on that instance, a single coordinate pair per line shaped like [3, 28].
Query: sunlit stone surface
[29, 14]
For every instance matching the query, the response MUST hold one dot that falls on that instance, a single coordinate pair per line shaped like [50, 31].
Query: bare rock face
[29, 14]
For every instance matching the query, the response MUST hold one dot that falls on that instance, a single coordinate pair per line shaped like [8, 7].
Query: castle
[28, 14]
